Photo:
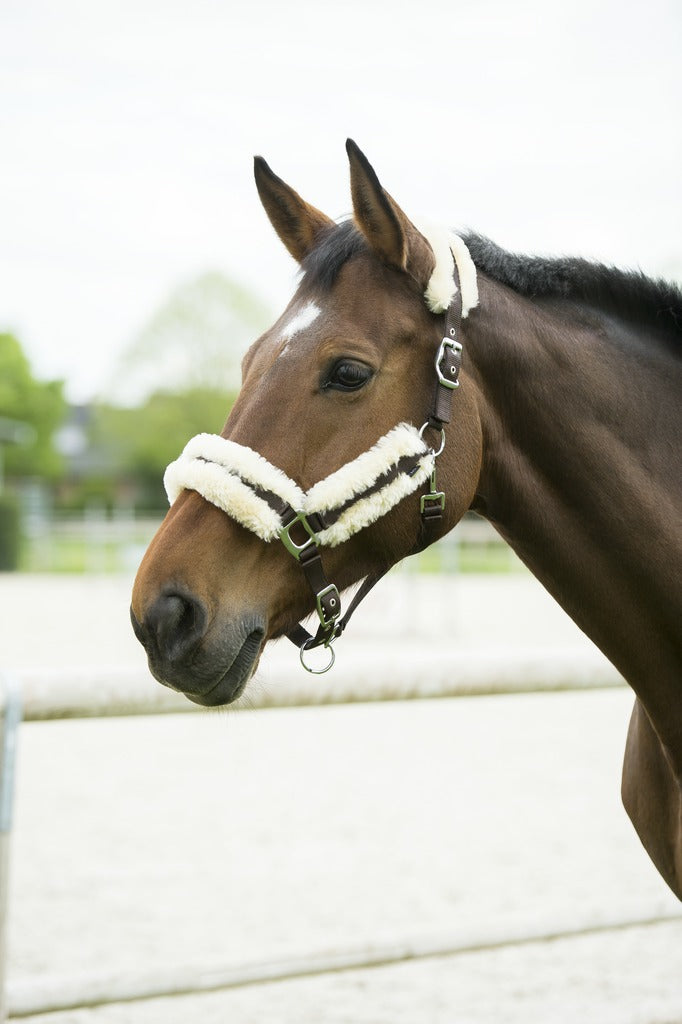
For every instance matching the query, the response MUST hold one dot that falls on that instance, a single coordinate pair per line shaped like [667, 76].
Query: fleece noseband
[269, 503]
[263, 499]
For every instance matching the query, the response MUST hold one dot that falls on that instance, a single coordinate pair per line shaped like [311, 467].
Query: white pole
[367, 676]
[10, 711]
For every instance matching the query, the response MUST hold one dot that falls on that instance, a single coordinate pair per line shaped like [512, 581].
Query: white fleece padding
[441, 289]
[368, 510]
[224, 490]
[362, 472]
[466, 269]
[356, 476]
[240, 460]
[216, 468]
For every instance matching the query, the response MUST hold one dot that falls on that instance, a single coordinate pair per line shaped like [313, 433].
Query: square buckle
[290, 544]
[328, 603]
[453, 363]
[432, 505]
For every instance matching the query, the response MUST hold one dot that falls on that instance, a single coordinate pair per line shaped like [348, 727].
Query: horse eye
[347, 375]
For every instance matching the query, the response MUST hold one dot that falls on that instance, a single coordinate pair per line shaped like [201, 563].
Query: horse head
[350, 359]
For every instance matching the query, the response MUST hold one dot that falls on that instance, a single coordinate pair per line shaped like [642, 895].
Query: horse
[562, 430]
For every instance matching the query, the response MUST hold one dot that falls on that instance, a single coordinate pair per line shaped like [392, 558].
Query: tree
[195, 340]
[39, 404]
[178, 378]
[137, 444]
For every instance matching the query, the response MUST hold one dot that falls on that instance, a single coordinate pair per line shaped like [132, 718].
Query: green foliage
[139, 443]
[39, 404]
[178, 378]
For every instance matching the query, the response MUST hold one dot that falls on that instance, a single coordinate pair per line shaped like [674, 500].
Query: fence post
[10, 716]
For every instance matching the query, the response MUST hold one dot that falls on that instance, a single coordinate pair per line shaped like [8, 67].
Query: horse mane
[656, 303]
[336, 246]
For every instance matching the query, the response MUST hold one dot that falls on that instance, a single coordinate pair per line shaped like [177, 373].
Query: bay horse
[564, 434]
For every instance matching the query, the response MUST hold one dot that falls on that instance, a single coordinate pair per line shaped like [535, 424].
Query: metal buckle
[432, 505]
[289, 543]
[334, 604]
[456, 347]
[436, 503]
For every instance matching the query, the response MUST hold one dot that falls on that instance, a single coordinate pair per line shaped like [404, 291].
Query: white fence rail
[100, 541]
[376, 676]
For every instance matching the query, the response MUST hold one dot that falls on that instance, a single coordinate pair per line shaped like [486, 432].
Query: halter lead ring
[308, 645]
[269, 503]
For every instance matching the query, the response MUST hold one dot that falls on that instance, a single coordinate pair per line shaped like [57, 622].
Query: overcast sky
[128, 130]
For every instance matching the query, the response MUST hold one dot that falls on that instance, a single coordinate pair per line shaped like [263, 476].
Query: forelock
[338, 245]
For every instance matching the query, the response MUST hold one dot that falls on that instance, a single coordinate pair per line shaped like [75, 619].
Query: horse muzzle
[210, 661]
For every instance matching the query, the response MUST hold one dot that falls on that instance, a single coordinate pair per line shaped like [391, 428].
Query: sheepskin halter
[262, 498]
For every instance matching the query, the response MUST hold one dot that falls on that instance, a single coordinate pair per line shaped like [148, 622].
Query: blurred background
[136, 266]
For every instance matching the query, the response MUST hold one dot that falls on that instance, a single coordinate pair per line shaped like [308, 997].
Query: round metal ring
[442, 439]
[316, 671]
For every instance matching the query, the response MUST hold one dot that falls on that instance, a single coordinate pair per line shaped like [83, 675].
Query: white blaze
[302, 320]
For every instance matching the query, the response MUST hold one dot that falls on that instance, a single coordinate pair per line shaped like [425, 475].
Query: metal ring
[316, 671]
[442, 439]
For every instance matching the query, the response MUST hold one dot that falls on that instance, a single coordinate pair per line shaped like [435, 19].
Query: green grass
[494, 557]
[73, 553]
[77, 555]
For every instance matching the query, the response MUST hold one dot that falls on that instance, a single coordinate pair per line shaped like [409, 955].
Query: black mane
[630, 293]
[339, 244]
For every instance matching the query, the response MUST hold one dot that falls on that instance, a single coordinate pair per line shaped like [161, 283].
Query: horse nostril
[176, 622]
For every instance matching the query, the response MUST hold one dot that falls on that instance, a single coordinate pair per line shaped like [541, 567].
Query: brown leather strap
[300, 636]
[326, 594]
[449, 360]
[448, 366]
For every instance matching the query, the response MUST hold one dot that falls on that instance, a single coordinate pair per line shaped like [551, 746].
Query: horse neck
[581, 477]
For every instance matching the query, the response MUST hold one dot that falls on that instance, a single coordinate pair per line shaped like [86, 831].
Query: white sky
[127, 129]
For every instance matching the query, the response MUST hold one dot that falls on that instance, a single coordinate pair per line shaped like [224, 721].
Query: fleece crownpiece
[450, 250]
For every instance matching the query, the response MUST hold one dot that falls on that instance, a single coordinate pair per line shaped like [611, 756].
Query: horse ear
[297, 223]
[389, 232]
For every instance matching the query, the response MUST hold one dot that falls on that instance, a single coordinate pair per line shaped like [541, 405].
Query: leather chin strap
[263, 499]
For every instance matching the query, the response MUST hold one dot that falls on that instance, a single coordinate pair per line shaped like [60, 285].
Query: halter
[262, 498]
